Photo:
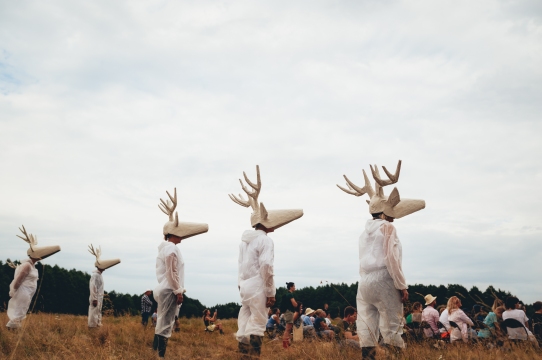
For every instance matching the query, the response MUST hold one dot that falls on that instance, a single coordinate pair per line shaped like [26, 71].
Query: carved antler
[29, 238]
[392, 178]
[96, 252]
[252, 195]
[11, 265]
[356, 190]
[169, 207]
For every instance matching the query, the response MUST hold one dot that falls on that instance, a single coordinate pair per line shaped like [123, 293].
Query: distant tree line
[67, 291]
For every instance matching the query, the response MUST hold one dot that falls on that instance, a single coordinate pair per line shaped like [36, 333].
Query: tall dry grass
[49, 336]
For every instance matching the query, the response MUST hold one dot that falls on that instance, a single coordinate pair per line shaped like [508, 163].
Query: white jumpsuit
[96, 286]
[21, 291]
[256, 283]
[170, 276]
[381, 277]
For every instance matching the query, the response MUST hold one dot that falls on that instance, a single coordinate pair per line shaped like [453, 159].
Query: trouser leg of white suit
[252, 317]
[167, 310]
[379, 310]
[18, 307]
[95, 315]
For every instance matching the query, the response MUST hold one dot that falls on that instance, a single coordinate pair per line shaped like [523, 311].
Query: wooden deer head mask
[260, 215]
[37, 252]
[100, 263]
[174, 226]
[391, 205]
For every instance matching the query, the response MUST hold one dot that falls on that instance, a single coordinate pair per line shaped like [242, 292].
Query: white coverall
[96, 286]
[381, 277]
[256, 283]
[170, 276]
[21, 291]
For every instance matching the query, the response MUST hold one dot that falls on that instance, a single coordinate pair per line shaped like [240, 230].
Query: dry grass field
[49, 336]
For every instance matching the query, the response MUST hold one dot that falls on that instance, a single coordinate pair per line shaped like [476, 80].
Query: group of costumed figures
[382, 288]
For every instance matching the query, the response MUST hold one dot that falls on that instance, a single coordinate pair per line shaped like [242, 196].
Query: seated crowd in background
[431, 322]
[454, 324]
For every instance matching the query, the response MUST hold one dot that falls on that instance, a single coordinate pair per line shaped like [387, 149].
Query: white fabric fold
[96, 286]
[170, 276]
[380, 247]
[256, 282]
[21, 291]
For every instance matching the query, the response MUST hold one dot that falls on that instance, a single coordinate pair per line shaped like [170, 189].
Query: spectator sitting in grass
[347, 328]
[322, 330]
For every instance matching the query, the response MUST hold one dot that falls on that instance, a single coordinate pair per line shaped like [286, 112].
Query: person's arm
[433, 324]
[172, 275]
[294, 303]
[93, 290]
[393, 259]
[239, 263]
[466, 319]
[266, 260]
[24, 270]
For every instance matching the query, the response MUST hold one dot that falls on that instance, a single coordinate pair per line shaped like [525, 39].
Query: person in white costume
[96, 286]
[382, 287]
[25, 279]
[170, 271]
[256, 275]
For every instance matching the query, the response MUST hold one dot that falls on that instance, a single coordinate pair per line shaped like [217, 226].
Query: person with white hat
[430, 315]
[146, 308]
[25, 279]
[382, 287]
[256, 276]
[170, 271]
[96, 286]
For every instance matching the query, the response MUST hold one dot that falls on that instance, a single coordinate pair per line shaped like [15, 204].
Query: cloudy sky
[106, 105]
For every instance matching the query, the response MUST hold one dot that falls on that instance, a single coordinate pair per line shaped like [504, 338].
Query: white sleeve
[393, 256]
[172, 273]
[93, 288]
[239, 264]
[266, 268]
[20, 276]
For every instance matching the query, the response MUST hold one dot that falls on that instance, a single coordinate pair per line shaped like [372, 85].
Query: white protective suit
[96, 286]
[256, 283]
[381, 277]
[21, 291]
[170, 276]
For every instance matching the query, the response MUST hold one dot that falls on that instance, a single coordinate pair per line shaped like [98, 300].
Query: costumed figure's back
[382, 286]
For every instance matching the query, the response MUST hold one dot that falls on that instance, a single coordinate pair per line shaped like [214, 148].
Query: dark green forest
[66, 292]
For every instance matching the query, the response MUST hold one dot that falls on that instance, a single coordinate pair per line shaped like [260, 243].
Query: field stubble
[50, 336]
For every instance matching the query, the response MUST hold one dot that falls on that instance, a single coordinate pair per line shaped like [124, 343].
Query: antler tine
[11, 264]
[169, 207]
[25, 238]
[91, 250]
[258, 184]
[240, 200]
[355, 190]
[392, 178]
[173, 199]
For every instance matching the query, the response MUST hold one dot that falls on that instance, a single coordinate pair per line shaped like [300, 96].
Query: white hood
[371, 226]
[250, 235]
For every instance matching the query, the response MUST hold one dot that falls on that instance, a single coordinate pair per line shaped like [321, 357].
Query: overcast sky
[106, 105]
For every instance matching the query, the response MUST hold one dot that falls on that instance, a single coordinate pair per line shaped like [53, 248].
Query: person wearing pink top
[430, 315]
[460, 318]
